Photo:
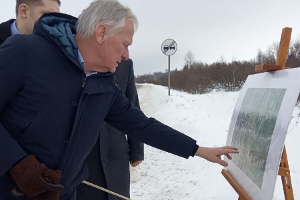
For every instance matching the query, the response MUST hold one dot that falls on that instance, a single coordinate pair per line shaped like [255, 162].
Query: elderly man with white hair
[56, 94]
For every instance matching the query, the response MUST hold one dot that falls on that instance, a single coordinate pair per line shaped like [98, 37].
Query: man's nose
[125, 55]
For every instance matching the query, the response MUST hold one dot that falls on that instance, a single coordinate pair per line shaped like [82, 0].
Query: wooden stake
[266, 67]
[105, 190]
[284, 46]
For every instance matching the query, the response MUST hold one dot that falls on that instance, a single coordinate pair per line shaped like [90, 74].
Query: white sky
[206, 118]
[233, 29]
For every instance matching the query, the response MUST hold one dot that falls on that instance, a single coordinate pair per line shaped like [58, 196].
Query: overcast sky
[234, 29]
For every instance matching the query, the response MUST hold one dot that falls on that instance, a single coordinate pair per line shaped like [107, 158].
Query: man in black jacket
[27, 12]
[54, 97]
[108, 162]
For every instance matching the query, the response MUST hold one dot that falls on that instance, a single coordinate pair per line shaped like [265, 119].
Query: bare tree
[189, 59]
[260, 57]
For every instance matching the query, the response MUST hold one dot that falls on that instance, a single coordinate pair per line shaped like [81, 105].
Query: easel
[284, 170]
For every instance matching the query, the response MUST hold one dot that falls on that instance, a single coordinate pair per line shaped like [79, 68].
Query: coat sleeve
[12, 64]
[136, 147]
[132, 121]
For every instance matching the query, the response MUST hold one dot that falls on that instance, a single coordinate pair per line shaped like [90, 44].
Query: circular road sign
[169, 47]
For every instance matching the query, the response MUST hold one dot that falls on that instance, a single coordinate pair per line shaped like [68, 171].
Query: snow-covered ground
[206, 118]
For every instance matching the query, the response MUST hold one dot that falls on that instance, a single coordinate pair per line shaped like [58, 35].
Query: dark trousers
[86, 192]
[70, 196]
[7, 196]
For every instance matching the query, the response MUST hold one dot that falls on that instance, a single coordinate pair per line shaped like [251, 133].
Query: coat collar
[5, 30]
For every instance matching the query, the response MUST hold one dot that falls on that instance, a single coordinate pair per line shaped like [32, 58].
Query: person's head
[29, 11]
[108, 27]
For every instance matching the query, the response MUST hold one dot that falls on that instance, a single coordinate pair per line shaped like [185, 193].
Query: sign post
[169, 47]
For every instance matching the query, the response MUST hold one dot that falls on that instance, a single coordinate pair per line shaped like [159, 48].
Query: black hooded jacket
[5, 30]
[50, 109]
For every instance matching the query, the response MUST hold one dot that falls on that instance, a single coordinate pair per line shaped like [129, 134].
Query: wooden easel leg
[242, 194]
[284, 172]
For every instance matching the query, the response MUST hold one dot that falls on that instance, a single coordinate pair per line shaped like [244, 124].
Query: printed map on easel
[258, 128]
[254, 129]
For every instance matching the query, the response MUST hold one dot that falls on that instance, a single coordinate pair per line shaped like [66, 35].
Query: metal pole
[169, 82]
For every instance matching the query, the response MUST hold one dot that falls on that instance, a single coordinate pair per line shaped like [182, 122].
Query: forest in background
[197, 77]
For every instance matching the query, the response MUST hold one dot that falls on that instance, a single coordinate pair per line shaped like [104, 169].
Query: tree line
[197, 77]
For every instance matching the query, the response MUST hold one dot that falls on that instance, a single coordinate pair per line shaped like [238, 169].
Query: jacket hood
[59, 28]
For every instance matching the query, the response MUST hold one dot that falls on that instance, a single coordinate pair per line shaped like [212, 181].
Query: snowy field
[206, 118]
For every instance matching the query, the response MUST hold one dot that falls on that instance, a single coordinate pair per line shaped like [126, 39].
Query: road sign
[169, 47]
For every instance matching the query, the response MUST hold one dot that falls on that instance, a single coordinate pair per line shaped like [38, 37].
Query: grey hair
[109, 12]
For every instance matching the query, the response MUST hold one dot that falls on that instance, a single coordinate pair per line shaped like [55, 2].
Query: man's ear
[23, 10]
[101, 31]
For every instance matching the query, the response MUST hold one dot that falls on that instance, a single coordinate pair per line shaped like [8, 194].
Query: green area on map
[254, 130]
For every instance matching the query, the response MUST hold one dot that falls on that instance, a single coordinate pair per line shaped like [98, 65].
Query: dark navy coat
[5, 30]
[108, 162]
[48, 108]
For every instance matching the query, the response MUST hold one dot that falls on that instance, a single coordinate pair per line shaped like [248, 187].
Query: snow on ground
[206, 118]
